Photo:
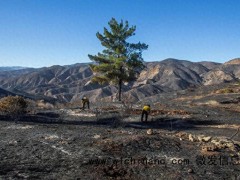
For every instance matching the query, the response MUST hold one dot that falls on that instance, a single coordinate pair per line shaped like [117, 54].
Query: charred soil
[190, 134]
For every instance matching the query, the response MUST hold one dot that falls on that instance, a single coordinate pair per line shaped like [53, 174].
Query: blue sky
[38, 33]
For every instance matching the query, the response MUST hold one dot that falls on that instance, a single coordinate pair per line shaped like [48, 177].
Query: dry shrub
[237, 82]
[13, 105]
[223, 91]
[44, 105]
[127, 106]
[32, 106]
[73, 104]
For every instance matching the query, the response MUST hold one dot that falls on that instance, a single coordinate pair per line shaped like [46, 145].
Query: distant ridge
[233, 61]
[71, 82]
[11, 68]
[4, 93]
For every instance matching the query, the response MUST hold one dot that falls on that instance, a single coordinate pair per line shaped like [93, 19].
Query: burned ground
[191, 135]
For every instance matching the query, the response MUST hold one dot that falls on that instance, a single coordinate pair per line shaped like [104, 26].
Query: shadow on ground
[114, 121]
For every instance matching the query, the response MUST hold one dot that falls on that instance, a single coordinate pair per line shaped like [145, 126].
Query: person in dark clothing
[145, 111]
[85, 101]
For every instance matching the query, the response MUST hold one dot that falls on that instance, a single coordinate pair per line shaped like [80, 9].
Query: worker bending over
[85, 101]
[145, 111]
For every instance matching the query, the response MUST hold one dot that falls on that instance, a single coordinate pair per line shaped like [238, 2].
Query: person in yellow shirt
[85, 101]
[145, 111]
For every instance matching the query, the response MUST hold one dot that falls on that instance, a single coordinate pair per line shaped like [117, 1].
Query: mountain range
[72, 82]
[11, 68]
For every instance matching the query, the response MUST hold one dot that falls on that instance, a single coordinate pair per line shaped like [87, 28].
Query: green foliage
[13, 105]
[120, 61]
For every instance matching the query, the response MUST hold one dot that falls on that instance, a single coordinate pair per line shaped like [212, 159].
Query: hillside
[15, 92]
[227, 72]
[233, 61]
[4, 93]
[11, 73]
[69, 83]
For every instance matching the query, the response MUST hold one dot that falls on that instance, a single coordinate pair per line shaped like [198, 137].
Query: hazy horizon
[43, 33]
[91, 62]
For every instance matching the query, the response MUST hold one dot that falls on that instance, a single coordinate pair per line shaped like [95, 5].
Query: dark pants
[146, 115]
[84, 103]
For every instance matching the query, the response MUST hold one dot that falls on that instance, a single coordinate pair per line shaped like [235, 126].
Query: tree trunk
[120, 85]
[119, 90]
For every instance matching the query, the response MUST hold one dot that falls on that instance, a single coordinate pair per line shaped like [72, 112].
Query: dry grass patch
[224, 126]
[227, 90]
[212, 103]
[44, 105]
[208, 103]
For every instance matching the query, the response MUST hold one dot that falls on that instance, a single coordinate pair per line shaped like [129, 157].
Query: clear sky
[38, 33]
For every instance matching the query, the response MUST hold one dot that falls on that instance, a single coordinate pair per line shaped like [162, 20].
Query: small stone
[149, 131]
[207, 138]
[13, 142]
[203, 138]
[24, 176]
[190, 170]
[215, 142]
[96, 136]
[191, 138]
[129, 132]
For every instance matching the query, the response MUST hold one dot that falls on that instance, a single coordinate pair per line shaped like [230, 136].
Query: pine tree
[120, 61]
